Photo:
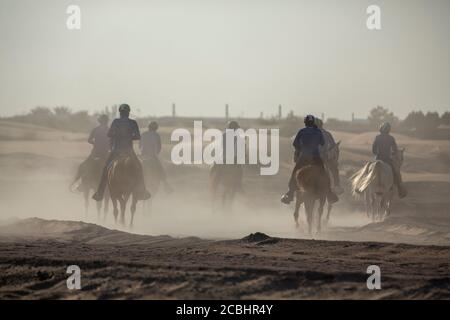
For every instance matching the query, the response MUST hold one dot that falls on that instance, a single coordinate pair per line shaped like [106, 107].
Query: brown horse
[90, 176]
[123, 174]
[228, 176]
[313, 185]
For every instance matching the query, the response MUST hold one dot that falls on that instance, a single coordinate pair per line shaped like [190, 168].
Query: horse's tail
[75, 179]
[122, 174]
[72, 186]
[364, 177]
[313, 179]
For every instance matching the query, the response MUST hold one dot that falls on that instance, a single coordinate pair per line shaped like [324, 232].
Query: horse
[228, 176]
[123, 175]
[90, 176]
[375, 181]
[152, 177]
[313, 184]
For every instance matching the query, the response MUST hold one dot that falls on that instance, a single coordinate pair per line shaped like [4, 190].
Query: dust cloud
[35, 177]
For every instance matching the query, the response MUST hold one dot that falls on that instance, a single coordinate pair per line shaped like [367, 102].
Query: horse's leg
[373, 206]
[123, 204]
[320, 212]
[298, 202]
[145, 203]
[144, 206]
[329, 207]
[86, 202]
[115, 210]
[106, 205]
[99, 209]
[309, 210]
[132, 209]
[388, 205]
[380, 205]
[149, 202]
[382, 208]
[367, 196]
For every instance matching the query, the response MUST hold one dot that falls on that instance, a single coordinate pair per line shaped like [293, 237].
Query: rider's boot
[142, 193]
[98, 195]
[402, 192]
[80, 172]
[288, 197]
[332, 197]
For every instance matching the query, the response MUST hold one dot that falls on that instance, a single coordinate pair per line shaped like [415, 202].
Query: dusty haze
[36, 175]
[217, 254]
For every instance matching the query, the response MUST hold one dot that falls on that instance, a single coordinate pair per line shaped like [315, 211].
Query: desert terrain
[181, 248]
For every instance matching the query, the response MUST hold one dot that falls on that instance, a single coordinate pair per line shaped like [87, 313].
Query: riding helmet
[124, 108]
[233, 125]
[153, 125]
[309, 120]
[385, 127]
[103, 119]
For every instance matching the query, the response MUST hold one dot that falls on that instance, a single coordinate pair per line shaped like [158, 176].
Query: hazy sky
[310, 56]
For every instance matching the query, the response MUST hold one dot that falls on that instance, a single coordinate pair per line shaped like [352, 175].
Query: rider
[150, 146]
[100, 145]
[123, 132]
[220, 169]
[331, 164]
[306, 145]
[384, 148]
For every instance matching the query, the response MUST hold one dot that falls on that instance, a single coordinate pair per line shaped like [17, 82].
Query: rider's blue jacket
[308, 140]
[122, 133]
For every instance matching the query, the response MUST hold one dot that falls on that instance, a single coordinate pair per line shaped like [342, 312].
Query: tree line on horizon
[421, 124]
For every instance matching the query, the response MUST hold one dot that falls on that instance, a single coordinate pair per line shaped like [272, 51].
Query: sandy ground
[412, 246]
[116, 265]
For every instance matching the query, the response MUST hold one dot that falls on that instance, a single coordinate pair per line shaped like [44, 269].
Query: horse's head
[398, 157]
[333, 152]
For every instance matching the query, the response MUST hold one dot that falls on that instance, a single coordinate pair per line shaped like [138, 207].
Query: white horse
[375, 181]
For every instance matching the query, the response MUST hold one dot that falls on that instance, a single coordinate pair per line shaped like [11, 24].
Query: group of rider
[313, 145]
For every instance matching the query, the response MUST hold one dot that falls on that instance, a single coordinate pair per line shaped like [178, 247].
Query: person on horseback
[331, 164]
[306, 144]
[100, 146]
[221, 169]
[385, 149]
[123, 132]
[150, 146]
